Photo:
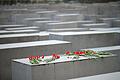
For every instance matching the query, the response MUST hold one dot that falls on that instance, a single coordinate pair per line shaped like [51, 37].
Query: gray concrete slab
[22, 28]
[88, 39]
[62, 25]
[107, 76]
[48, 14]
[105, 29]
[19, 18]
[96, 25]
[30, 21]
[62, 69]
[10, 26]
[112, 49]
[16, 38]
[69, 10]
[93, 17]
[68, 24]
[84, 22]
[69, 17]
[43, 24]
[2, 32]
[116, 23]
[68, 30]
[25, 49]
[108, 21]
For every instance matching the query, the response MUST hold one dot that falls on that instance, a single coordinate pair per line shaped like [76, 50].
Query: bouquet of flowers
[86, 53]
[35, 59]
[38, 59]
[68, 54]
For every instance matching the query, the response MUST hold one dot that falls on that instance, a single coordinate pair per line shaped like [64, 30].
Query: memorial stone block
[61, 69]
[88, 39]
[25, 49]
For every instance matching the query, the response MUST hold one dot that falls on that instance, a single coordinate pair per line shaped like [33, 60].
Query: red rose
[53, 55]
[76, 53]
[30, 57]
[37, 57]
[81, 53]
[34, 57]
[57, 57]
[67, 52]
[42, 56]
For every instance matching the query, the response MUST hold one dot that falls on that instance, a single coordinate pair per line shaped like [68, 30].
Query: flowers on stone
[89, 52]
[75, 53]
[67, 52]
[38, 59]
[71, 55]
[42, 56]
[55, 56]
[34, 59]
[79, 53]
[86, 53]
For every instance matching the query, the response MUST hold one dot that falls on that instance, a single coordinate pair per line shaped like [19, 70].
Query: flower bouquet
[86, 53]
[38, 59]
[72, 55]
[35, 59]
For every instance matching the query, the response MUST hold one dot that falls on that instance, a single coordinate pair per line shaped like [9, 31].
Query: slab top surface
[11, 25]
[108, 18]
[108, 76]
[82, 33]
[17, 31]
[117, 20]
[68, 14]
[105, 48]
[32, 44]
[45, 21]
[24, 35]
[15, 9]
[46, 12]
[95, 24]
[60, 60]
[22, 28]
[105, 28]
[36, 18]
[70, 22]
[70, 29]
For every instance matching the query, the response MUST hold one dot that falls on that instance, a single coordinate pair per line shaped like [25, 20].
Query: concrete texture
[30, 21]
[96, 25]
[107, 76]
[67, 24]
[88, 39]
[21, 50]
[43, 24]
[17, 38]
[63, 70]
[69, 17]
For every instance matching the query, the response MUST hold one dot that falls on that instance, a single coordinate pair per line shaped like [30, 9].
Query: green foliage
[34, 61]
